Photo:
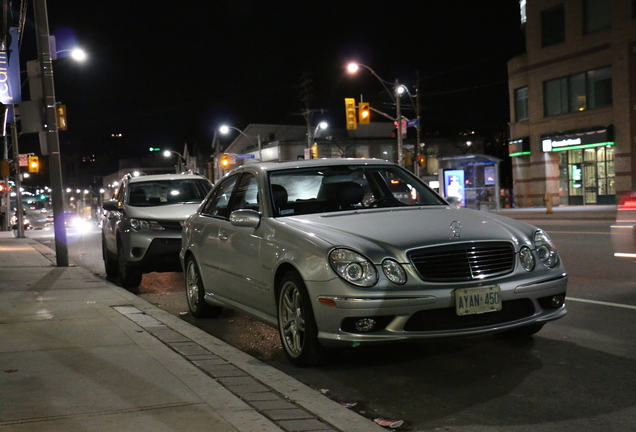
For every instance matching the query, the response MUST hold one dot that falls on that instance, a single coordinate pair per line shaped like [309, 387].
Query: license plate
[469, 301]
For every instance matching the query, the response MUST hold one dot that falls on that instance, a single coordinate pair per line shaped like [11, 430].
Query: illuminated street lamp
[76, 54]
[225, 129]
[395, 95]
[320, 126]
[167, 154]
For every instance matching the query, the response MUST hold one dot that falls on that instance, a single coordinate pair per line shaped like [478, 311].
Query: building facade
[573, 102]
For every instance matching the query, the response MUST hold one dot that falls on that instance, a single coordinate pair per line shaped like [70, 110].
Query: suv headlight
[353, 267]
[139, 224]
[546, 250]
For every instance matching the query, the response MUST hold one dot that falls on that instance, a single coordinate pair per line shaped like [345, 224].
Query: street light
[76, 54]
[225, 129]
[395, 95]
[320, 126]
[167, 154]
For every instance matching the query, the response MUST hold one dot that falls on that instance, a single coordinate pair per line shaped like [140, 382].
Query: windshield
[162, 192]
[336, 188]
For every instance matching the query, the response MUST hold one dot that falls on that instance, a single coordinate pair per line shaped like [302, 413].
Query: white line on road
[602, 303]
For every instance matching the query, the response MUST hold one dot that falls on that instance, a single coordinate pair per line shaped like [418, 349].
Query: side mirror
[245, 218]
[111, 205]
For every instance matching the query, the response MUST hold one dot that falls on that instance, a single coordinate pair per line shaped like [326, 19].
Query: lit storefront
[586, 164]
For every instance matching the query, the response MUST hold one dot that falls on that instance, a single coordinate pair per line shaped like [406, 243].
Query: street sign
[24, 160]
[245, 156]
[413, 122]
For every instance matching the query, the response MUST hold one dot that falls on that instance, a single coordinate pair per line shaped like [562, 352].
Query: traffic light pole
[52, 138]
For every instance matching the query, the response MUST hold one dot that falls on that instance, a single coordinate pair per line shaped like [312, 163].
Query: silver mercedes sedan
[343, 252]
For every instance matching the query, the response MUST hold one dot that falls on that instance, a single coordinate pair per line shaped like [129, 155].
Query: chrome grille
[171, 225]
[464, 261]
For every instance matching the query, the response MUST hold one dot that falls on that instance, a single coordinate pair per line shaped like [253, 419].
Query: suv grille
[464, 261]
[171, 225]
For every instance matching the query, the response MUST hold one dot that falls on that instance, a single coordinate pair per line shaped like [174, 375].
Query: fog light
[552, 302]
[365, 325]
[557, 301]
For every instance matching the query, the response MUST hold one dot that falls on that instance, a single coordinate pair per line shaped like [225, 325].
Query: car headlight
[546, 250]
[526, 257]
[394, 271]
[139, 224]
[353, 267]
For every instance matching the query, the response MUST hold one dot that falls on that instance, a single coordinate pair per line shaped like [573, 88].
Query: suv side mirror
[111, 205]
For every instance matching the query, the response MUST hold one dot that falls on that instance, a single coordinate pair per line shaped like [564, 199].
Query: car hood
[164, 212]
[396, 231]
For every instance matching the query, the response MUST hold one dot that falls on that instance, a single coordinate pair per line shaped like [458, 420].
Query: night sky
[163, 73]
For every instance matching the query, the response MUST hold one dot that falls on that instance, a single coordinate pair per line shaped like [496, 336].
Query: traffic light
[154, 149]
[350, 112]
[225, 161]
[34, 164]
[60, 110]
[364, 113]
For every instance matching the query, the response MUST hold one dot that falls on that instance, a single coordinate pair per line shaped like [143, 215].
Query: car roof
[153, 177]
[274, 166]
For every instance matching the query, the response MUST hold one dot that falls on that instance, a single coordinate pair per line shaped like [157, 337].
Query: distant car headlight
[546, 250]
[394, 271]
[139, 224]
[526, 257]
[353, 267]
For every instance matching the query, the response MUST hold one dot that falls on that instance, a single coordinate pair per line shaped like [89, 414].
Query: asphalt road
[577, 374]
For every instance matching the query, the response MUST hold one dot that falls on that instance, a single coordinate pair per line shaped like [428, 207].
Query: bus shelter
[472, 179]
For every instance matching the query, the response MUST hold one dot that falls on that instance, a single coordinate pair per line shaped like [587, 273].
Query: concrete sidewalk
[78, 353]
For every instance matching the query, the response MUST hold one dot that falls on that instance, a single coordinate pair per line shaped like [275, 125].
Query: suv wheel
[110, 265]
[129, 277]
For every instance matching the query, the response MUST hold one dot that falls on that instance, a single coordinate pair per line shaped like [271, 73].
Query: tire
[195, 292]
[296, 323]
[129, 277]
[110, 265]
[521, 332]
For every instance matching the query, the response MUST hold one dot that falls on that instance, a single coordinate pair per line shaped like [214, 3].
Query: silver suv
[141, 225]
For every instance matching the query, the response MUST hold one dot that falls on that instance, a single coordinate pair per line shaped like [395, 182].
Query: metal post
[18, 180]
[52, 138]
[398, 115]
[7, 205]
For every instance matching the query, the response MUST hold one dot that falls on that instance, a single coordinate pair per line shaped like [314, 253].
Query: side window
[246, 194]
[218, 203]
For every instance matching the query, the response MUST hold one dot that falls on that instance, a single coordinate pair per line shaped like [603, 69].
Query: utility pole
[50, 129]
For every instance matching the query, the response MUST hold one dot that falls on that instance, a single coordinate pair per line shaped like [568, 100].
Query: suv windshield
[161, 192]
[335, 188]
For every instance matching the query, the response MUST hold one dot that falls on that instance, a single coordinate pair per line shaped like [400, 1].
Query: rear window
[162, 192]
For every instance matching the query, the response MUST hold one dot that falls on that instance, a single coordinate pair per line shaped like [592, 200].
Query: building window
[553, 26]
[521, 104]
[578, 92]
[596, 15]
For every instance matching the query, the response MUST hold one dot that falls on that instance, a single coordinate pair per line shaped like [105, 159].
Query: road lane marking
[602, 303]
[575, 232]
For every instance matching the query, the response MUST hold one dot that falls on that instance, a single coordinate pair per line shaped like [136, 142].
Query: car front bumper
[431, 314]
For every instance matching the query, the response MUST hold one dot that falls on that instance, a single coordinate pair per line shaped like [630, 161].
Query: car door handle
[222, 236]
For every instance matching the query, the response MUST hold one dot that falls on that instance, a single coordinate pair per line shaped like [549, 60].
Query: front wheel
[195, 293]
[129, 277]
[296, 323]
[110, 265]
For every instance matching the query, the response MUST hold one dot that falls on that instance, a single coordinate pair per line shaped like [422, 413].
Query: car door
[240, 249]
[204, 235]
